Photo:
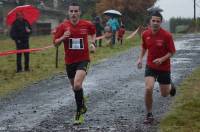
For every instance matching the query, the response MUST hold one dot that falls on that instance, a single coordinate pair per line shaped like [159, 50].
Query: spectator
[114, 24]
[20, 32]
[99, 30]
[120, 34]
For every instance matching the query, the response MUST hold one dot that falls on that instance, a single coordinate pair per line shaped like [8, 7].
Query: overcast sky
[178, 8]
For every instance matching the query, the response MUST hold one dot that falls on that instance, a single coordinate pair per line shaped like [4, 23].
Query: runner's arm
[164, 58]
[58, 41]
[93, 45]
[139, 61]
[171, 51]
[167, 56]
[142, 53]
[93, 39]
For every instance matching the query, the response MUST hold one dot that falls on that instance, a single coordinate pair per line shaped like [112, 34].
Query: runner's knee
[164, 90]
[164, 94]
[77, 86]
[149, 89]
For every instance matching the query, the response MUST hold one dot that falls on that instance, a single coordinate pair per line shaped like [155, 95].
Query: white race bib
[76, 43]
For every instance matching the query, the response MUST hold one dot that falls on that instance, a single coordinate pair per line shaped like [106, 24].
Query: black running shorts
[72, 68]
[163, 77]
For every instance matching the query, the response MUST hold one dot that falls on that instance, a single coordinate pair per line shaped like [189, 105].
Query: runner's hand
[139, 64]
[58, 41]
[93, 48]
[66, 34]
[157, 61]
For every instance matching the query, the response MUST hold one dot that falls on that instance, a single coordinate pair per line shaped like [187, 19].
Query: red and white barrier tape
[5, 53]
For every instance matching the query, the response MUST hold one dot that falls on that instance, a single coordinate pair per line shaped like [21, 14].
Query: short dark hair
[157, 14]
[74, 4]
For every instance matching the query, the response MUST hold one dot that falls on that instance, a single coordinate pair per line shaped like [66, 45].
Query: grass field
[184, 115]
[42, 64]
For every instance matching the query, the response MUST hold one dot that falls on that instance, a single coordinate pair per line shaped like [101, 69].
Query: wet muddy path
[115, 88]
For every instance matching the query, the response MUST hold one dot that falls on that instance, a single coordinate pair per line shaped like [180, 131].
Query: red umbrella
[30, 13]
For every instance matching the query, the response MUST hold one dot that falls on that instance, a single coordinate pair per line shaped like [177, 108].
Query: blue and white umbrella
[112, 13]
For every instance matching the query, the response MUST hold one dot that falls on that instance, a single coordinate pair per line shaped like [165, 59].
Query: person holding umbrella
[20, 19]
[74, 34]
[20, 32]
[113, 23]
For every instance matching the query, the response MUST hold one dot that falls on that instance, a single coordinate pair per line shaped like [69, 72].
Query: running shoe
[149, 118]
[83, 109]
[79, 119]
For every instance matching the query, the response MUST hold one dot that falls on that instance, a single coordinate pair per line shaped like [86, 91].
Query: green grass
[3, 37]
[185, 113]
[42, 63]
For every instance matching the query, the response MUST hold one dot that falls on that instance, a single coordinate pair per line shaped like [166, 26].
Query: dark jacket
[18, 30]
[99, 29]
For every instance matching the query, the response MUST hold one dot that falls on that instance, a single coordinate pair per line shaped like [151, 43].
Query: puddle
[189, 44]
[181, 60]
